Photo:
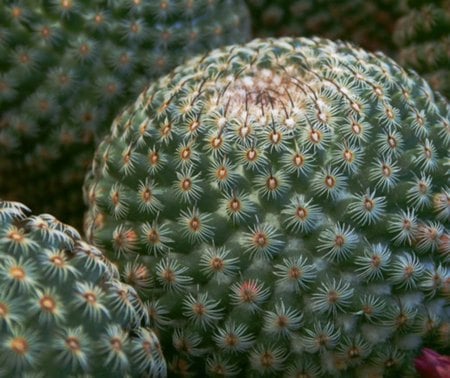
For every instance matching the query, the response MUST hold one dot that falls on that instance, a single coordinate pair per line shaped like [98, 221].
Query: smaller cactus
[423, 39]
[63, 310]
[67, 66]
[367, 23]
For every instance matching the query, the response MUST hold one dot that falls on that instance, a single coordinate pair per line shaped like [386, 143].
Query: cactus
[423, 40]
[367, 23]
[66, 68]
[63, 311]
[289, 198]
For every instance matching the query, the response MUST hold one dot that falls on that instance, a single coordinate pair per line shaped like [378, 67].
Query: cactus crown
[289, 201]
[63, 311]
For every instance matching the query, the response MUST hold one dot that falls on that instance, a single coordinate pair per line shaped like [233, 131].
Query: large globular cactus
[284, 207]
[63, 311]
[367, 23]
[423, 39]
[66, 68]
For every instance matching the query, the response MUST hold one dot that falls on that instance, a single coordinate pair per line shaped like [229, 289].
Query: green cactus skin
[68, 66]
[367, 23]
[63, 311]
[290, 200]
[423, 39]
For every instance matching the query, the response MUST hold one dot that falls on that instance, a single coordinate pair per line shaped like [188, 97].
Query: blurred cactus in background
[284, 208]
[63, 311]
[423, 39]
[367, 23]
[66, 69]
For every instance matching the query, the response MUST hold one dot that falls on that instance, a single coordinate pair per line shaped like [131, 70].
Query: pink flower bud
[431, 364]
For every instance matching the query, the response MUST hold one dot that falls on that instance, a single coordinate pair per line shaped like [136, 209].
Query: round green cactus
[68, 66]
[289, 200]
[63, 311]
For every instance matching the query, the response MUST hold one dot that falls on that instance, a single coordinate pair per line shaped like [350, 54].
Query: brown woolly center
[194, 224]
[392, 142]
[194, 125]
[153, 236]
[330, 181]
[217, 264]
[275, 137]
[19, 345]
[301, 213]
[298, 160]
[369, 204]
[16, 236]
[231, 340]
[406, 224]
[115, 198]
[47, 303]
[154, 158]
[376, 261]
[222, 173]
[234, 205]
[116, 344]
[272, 183]
[333, 296]
[339, 241]
[315, 136]
[260, 240]
[4, 310]
[267, 360]
[90, 297]
[146, 195]
[409, 271]
[386, 170]
[282, 321]
[166, 130]
[354, 352]
[251, 155]
[216, 142]
[295, 273]
[199, 309]
[186, 184]
[84, 49]
[244, 131]
[73, 343]
[17, 273]
[169, 276]
[147, 346]
[368, 310]
[348, 155]
[186, 153]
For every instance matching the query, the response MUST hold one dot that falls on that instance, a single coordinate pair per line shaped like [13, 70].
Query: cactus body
[423, 39]
[68, 66]
[63, 311]
[289, 199]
